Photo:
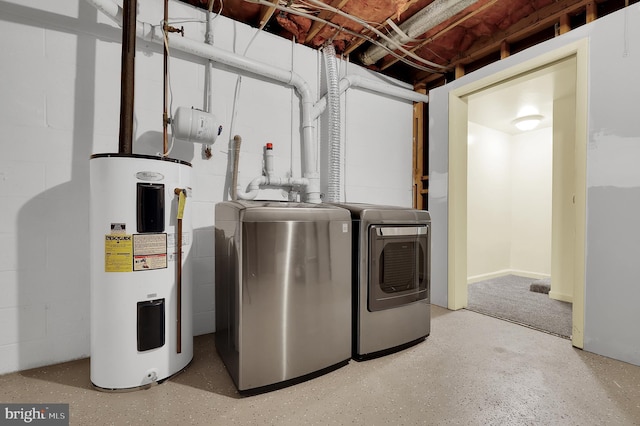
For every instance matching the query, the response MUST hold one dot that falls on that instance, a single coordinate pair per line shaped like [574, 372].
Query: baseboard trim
[503, 272]
[560, 296]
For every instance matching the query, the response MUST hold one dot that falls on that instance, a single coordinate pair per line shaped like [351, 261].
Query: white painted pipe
[310, 113]
[433, 14]
[266, 181]
[254, 187]
[354, 81]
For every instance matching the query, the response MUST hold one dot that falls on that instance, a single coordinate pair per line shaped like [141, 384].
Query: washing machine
[390, 278]
[283, 291]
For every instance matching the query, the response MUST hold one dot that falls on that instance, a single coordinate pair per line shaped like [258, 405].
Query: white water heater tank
[141, 291]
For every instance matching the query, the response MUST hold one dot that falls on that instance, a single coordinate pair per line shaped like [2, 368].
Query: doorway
[567, 112]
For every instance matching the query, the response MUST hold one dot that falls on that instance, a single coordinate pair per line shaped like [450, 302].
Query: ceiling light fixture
[528, 122]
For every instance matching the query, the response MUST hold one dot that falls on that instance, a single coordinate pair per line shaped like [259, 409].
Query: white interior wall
[509, 203]
[488, 203]
[60, 91]
[386, 164]
[613, 179]
[531, 161]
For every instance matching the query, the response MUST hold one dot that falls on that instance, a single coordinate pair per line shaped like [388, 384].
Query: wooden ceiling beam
[359, 41]
[592, 12]
[317, 26]
[522, 29]
[388, 62]
[565, 24]
[266, 12]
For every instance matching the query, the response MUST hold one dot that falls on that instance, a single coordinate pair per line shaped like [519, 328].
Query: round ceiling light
[528, 122]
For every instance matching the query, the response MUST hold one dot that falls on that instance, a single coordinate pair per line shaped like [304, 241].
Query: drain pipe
[127, 76]
[310, 169]
[357, 81]
[310, 112]
[237, 141]
[208, 75]
[433, 14]
[268, 179]
[149, 32]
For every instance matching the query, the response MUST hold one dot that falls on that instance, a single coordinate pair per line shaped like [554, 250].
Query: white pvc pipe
[241, 63]
[354, 81]
[267, 181]
[254, 187]
[311, 174]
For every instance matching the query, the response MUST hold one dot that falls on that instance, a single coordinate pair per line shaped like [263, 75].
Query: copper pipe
[165, 95]
[127, 76]
[178, 191]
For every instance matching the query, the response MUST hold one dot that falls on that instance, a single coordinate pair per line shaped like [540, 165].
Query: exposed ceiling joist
[480, 32]
[266, 13]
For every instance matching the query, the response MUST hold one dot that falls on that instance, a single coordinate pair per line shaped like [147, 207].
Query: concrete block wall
[60, 88]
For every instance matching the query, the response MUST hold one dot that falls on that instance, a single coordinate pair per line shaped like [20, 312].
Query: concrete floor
[472, 370]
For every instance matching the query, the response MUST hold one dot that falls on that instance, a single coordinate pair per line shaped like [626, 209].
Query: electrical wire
[380, 34]
[367, 25]
[355, 34]
[210, 8]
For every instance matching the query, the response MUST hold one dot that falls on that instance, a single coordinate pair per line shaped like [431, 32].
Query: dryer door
[398, 265]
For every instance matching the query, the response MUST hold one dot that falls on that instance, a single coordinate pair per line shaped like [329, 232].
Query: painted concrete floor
[472, 370]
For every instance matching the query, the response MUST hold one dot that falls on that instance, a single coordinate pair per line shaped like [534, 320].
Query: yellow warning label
[118, 253]
[182, 198]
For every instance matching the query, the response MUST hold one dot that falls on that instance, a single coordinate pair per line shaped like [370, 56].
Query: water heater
[141, 292]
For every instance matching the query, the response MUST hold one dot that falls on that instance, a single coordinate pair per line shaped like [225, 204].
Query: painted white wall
[488, 202]
[60, 88]
[613, 179]
[509, 203]
[531, 161]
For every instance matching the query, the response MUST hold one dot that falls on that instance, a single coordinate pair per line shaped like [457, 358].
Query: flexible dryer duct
[433, 14]
[333, 102]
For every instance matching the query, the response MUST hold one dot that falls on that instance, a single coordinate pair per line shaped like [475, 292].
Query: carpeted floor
[509, 298]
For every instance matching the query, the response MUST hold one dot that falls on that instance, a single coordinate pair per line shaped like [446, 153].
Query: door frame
[457, 183]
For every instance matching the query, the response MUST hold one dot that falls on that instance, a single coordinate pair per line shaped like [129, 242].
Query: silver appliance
[391, 278]
[283, 291]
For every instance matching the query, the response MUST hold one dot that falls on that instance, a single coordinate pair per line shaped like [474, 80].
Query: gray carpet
[509, 298]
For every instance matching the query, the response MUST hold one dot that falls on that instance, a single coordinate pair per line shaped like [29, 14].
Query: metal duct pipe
[127, 76]
[434, 14]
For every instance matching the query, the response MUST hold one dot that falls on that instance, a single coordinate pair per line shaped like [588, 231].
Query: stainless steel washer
[391, 278]
[283, 291]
